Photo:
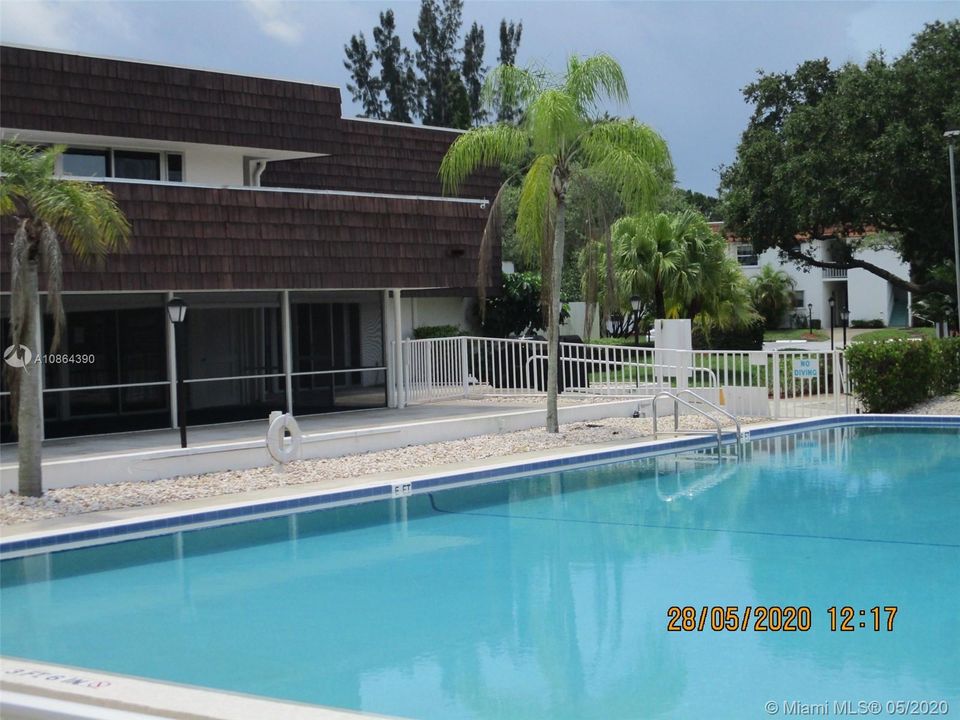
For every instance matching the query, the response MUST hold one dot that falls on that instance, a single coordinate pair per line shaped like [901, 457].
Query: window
[128, 164]
[746, 254]
[174, 167]
[86, 163]
[798, 300]
[136, 165]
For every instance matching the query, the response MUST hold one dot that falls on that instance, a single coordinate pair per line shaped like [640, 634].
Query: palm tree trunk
[28, 414]
[553, 331]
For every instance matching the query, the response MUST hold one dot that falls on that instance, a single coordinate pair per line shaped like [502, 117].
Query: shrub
[749, 337]
[429, 332]
[877, 323]
[628, 341]
[896, 374]
[947, 351]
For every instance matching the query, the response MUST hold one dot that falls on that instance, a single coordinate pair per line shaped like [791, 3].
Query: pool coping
[57, 691]
[225, 510]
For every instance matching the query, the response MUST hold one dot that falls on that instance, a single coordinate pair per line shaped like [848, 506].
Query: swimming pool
[549, 597]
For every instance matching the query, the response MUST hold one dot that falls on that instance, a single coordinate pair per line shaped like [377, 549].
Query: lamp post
[635, 304]
[810, 316]
[833, 304]
[952, 136]
[177, 312]
[844, 319]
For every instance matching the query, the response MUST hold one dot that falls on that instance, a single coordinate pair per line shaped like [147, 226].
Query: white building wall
[210, 165]
[868, 297]
[575, 323]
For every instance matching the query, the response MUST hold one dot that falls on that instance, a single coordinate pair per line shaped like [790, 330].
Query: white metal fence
[777, 384]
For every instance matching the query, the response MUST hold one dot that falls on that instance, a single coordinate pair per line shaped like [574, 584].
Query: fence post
[464, 366]
[776, 384]
[836, 381]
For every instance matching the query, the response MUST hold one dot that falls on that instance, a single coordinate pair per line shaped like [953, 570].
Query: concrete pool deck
[156, 454]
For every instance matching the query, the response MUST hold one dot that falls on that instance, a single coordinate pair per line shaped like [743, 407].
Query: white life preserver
[278, 449]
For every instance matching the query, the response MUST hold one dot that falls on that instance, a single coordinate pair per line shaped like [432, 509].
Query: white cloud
[61, 25]
[273, 18]
[40, 23]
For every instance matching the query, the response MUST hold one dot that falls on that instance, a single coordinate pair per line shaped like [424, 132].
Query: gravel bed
[73, 501]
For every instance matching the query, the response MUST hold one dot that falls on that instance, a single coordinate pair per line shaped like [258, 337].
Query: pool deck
[156, 454]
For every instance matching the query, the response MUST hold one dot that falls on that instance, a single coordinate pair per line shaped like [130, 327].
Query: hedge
[744, 338]
[896, 374]
[429, 332]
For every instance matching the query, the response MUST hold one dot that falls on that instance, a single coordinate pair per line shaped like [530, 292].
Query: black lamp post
[833, 304]
[177, 312]
[844, 319]
[635, 304]
[810, 316]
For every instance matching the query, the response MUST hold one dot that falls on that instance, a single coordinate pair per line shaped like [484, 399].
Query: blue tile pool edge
[240, 512]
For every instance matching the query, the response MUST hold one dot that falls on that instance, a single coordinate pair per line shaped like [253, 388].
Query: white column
[388, 357]
[398, 353]
[287, 343]
[171, 361]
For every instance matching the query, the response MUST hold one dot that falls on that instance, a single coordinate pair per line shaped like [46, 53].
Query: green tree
[397, 78]
[47, 212]
[474, 72]
[364, 86]
[676, 261]
[510, 34]
[437, 57]
[560, 126]
[830, 153]
[772, 292]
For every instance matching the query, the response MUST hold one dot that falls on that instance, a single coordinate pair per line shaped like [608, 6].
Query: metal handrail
[677, 401]
[726, 413]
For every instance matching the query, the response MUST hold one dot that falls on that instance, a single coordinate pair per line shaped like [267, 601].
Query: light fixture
[635, 303]
[176, 310]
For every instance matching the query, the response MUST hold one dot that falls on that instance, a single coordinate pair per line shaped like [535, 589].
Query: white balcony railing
[834, 273]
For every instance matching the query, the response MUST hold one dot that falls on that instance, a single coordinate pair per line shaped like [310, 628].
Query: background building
[867, 296]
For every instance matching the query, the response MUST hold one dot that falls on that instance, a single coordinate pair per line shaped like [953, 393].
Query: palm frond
[553, 121]
[511, 85]
[85, 215]
[492, 233]
[632, 156]
[593, 79]
[488, 146]
[535, 206]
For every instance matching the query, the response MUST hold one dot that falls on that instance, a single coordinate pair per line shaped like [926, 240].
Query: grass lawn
[895, 334]
[795, 334]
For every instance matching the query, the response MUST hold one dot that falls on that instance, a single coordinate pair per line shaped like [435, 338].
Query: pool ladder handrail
[678, 401]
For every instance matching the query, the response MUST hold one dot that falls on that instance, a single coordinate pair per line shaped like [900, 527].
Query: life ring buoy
[278, 449]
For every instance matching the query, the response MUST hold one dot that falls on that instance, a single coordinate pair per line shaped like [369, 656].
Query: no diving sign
[809, 369]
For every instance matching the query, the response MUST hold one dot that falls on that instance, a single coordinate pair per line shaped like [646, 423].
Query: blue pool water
[544, 597]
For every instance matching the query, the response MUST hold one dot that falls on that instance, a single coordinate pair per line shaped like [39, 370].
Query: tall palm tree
[561, 129]
[772, 292]
[47, 211]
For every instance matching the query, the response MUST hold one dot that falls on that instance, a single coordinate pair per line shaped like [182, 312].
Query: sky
[686, 62]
